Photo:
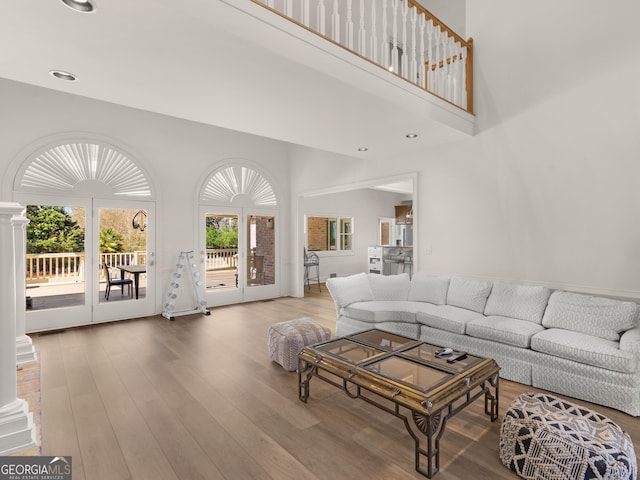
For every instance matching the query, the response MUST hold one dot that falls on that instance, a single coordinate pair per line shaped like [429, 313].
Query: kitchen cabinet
[404, 214]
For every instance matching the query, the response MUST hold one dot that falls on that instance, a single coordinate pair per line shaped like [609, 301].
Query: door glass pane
[222, 251]
[261, 250]
[55, 269]
[122, 254]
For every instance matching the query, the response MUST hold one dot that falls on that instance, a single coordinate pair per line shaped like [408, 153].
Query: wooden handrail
[420, 10]
[437, 21]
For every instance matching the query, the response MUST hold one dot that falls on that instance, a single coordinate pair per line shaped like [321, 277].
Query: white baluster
[422, 71]
[431, 55]
[305, 13]
[437, 77]
[335, 22]
[373, 44]
[404, 55]
[321, 18]
[269, 3]
[394, 37]
[349, 27]
[413, 65]
[385, 37]
[463, 81]
[288, 8]
[362, 34]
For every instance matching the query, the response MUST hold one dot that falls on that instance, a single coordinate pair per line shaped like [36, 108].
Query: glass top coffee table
[403, 374]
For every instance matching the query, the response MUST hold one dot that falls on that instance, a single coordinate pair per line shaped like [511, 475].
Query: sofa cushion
[468, 293]
[523, 302]
[351, 289]
[429, 288]
[586, 349]
[510, 331]
[383, 311]
[390, 287]
[446, 317]
[601, 317]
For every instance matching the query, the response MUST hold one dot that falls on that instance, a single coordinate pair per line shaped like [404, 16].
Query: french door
[68, 242]
[240, 247]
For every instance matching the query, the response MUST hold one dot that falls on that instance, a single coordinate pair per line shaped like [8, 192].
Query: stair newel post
[17, 430]
[25, 352]
[469, 75]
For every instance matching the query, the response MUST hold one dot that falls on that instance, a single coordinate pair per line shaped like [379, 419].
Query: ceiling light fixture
[363, 149]
[84, 6]
[69, 77]
[411, 135]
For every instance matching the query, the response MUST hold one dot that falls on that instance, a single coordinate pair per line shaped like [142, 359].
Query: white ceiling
[233, 65]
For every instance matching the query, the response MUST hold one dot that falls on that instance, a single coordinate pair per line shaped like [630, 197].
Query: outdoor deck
[66, 295]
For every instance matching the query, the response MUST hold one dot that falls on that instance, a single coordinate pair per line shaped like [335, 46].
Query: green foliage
[52, 230]
[110, 241]
[222, 233]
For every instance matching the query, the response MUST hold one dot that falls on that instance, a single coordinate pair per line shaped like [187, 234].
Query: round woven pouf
[544, 437]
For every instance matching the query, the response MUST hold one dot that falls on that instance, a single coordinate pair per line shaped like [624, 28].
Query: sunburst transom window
[69, 167]
[239, 185]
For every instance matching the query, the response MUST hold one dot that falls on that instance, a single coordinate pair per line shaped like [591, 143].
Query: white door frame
[134, 308]
[244, 292]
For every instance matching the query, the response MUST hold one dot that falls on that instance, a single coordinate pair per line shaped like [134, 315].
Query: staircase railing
[398, 35]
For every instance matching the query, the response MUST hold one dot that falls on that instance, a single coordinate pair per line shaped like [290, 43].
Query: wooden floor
[198, 398]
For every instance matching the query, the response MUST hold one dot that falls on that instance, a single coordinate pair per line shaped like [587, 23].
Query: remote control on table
[456, 357]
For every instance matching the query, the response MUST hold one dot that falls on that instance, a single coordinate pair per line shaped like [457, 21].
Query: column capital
[11, 208]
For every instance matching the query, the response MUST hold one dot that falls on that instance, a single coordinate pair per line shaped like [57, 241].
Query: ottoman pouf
[286, 339]
[544, 437]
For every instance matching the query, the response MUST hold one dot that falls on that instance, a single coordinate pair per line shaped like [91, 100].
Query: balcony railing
[398, 35]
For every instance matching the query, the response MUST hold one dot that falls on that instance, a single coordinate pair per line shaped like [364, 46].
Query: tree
[53, 230]
[110, 241]
[222, 232]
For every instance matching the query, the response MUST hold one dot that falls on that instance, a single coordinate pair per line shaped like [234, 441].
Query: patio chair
[115, 279]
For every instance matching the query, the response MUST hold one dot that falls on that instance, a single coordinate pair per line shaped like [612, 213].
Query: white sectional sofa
[579, 345]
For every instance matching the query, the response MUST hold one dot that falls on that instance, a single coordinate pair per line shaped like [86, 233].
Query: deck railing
[51, 268]
[398, 35]
[221, 258]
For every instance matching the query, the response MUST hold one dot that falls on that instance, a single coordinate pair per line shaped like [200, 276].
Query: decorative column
[24, 345]
[17, 431]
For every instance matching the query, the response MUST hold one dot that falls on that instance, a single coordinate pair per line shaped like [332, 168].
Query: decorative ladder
[200, 304]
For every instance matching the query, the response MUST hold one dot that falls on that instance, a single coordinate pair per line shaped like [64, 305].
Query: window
[329, 234]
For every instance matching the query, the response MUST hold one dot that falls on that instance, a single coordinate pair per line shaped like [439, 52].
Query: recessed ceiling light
[85, 6]
[411, 135]
[363, 149]
[69, 77]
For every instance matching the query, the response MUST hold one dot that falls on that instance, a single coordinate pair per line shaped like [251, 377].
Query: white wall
[366, 206]
[178, 154]
[547, 190]
[451, 12]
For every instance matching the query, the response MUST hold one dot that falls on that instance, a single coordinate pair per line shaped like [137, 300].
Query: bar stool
[311, 260]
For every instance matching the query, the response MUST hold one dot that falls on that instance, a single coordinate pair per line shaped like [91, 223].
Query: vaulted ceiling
[229, 63]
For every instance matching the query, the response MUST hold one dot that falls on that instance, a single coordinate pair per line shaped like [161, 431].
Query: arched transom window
[84, 168]
[238, 185]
